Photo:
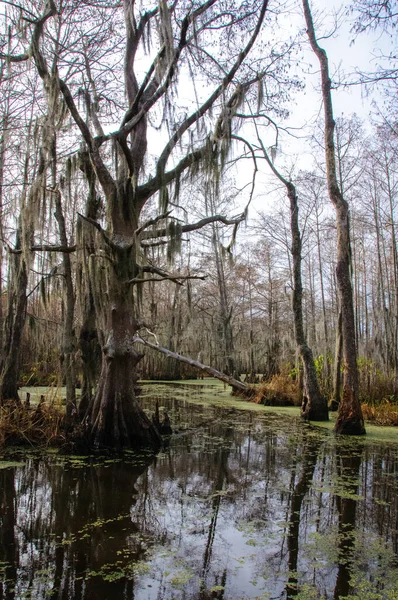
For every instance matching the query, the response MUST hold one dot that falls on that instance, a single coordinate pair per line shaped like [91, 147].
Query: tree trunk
[314, 406]
[227, 341]
[15, 321]
[350, 419]
[337, 365]
[114, 418]
[237, 385]
[69, 340]
[324, 320]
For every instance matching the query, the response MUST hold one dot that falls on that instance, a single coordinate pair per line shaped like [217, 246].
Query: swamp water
[242, 504]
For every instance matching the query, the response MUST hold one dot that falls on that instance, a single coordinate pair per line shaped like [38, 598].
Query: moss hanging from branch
[174, 232]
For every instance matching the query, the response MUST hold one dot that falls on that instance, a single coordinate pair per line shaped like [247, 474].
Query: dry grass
[42, 426]
[385, 413]
[282, 390]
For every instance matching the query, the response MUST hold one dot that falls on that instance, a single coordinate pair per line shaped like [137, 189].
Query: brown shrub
[282, 390]
[385, 413]
[42, 426]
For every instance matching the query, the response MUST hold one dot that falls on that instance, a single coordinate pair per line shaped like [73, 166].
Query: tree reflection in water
[8, 547]
[348, 465]
[309, 458]
[241, 505]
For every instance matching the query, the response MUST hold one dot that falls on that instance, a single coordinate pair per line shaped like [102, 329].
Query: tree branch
[194, 117]
[46, 248]
[195, 226]
[175, 278]
[152, 222]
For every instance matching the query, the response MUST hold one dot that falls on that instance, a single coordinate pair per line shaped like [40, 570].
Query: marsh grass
[384, 413]
[41, 426]
[282, 390]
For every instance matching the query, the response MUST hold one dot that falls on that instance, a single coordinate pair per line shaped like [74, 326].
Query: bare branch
[46, 248]
[152, 222]
[175, 278]
[194, 117]
[195, 226]
[163, 274]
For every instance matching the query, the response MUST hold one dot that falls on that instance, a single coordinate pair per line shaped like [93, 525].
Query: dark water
[241, 505]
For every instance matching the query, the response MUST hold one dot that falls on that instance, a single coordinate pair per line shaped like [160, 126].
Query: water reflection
[309, 458]
[348, 465]
[240, 505]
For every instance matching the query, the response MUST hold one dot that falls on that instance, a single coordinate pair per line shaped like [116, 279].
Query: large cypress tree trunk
[350, 419]
[114, 418]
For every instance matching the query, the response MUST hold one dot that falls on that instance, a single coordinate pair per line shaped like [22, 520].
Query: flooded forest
[199, 300]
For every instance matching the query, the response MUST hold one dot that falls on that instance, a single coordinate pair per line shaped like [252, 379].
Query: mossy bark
[114, 418]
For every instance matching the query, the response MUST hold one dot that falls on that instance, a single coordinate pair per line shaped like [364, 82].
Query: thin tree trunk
[324, 320]
[225, 308]
[350, 419]
[314, 405]
[69, 340]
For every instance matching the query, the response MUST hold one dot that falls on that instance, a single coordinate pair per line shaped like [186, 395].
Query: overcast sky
[347, 55]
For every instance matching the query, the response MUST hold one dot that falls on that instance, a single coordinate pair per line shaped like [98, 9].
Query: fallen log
[237, 386]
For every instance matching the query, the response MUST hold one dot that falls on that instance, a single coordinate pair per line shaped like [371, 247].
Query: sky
[347, 55]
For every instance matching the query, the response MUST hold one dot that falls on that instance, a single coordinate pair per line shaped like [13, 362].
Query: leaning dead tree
[238, 386]
[350, 419]
[115, 264]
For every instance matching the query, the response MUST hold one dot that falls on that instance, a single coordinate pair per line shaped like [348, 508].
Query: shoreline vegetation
[39, 419]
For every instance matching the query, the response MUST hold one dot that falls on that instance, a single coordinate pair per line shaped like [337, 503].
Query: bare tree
[314, 406]
[350, 419]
